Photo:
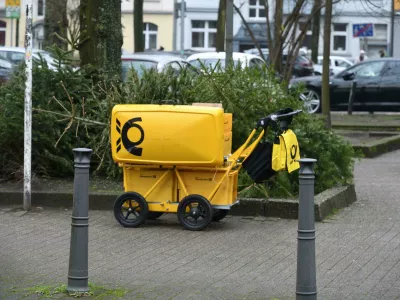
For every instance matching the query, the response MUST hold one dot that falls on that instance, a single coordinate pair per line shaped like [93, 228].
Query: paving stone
[357, 251]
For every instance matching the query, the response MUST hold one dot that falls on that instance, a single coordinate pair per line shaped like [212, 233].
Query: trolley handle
[281, 116]
[284, 115]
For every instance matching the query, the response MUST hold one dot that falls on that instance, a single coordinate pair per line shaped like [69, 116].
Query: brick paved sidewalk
[358, 254]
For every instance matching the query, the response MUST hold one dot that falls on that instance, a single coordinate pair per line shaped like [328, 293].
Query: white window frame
[257, 7]
[147, 33]
[339, 33]
[206, 30]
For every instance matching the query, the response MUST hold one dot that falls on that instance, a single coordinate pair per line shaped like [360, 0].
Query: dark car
[302, 67]
[378, 87]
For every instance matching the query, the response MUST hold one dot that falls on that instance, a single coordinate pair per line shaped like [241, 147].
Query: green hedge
[66, 93]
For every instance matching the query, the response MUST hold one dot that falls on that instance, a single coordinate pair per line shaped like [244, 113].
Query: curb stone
[325, 202]
[380, 146]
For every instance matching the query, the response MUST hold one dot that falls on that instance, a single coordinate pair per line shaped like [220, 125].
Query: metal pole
[78, 255]
[392, 30]
[28, 108]
[351, 97]
[17, 34]
[182, 27]
[306, 287]
[174, 26]
[229, 31]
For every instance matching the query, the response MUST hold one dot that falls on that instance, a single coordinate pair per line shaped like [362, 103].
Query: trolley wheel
[131, 209]
[194, 212]
[153, 215]
[219, 214]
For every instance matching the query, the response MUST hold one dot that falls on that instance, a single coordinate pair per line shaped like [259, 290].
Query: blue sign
[361, 30]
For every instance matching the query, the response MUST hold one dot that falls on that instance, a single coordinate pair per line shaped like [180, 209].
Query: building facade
[201, 16]
[158, 21]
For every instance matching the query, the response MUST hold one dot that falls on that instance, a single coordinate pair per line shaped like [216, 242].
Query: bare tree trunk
[326, 110]
[55, 22]
[315, 30]
[220, 43]
[138, 25]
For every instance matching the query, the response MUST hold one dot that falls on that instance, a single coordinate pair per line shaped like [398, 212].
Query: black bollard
[78, 255]
[306, 285]
[351, 97]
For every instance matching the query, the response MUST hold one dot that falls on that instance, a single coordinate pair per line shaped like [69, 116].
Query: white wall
[155, 6]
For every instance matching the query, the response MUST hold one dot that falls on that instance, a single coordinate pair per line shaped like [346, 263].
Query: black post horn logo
[293, 151]
[130, 146]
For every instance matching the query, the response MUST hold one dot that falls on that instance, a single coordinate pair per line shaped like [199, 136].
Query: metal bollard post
[306, 286]
[351, 97]
[78, 255]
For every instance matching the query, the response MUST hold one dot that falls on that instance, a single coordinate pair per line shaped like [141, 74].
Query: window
[393, 69]
[339, 37]
[307, 42]
[368, 70]
[40, 8]
[204, 34]
[138, 65]
[150, 36]
[342, 64]
[3, 28]
[256, 9]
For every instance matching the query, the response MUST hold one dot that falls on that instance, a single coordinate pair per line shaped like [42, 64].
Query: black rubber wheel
[153, 215]
[219, 214]
[131, 209]
[195, 212]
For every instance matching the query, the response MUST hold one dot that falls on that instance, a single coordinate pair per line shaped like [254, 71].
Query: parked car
[211, 59]
[337, 64]
[17, 54]
[147, 61]
[186, 53]
[303, 66]
[378, 87]
[6, 69]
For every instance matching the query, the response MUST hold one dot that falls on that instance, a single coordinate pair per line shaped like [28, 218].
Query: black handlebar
[283, 116]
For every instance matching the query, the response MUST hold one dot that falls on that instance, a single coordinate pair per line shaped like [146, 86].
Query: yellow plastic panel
[227, 143]
[167, 134]
[227, 122]
[142, 180]
[203, 182]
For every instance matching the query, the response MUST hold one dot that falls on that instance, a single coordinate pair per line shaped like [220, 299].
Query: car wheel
[312, 100]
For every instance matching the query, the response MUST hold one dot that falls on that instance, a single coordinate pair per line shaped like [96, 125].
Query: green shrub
[247, 93]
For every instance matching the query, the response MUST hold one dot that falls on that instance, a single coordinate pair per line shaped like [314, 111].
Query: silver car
[160, 62]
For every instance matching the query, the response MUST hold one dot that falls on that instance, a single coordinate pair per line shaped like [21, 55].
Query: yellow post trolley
[177, 159]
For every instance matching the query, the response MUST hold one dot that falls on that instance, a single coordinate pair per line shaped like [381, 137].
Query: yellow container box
[167, 135]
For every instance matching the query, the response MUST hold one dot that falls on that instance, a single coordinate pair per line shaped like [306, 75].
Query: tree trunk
[220, 43]
[111, 37]
[89, 13]
[277, 38]
[101, 30]
[315, 30]
[326, 110]
[55, 22]
[138, 25]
